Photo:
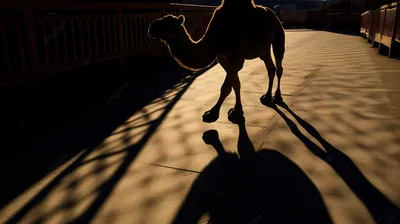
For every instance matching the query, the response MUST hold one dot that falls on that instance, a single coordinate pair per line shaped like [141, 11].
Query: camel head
[167, 27]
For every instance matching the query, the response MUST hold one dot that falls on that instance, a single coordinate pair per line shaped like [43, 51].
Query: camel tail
[278, 43]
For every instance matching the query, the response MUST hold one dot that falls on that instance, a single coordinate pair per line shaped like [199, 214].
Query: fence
[38, 40]
[382, 26]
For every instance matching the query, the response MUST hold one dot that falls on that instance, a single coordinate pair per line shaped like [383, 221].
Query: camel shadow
[252, 187]
[380, 207]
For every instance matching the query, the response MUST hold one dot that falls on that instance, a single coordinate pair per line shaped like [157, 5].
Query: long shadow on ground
[380, 207]
[76, 114]
[259, 187]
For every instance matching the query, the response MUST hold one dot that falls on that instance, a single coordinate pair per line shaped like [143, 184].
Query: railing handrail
[390, 5]
[192, 6]
[104, 6]
[387, 6]
[366, 12]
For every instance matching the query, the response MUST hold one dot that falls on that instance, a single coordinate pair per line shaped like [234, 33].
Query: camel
[239, 30]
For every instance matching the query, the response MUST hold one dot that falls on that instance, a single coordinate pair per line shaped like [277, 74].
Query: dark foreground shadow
[381, 208]
[80, 135]
[254, 187]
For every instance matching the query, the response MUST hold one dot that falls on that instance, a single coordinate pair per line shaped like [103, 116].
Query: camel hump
[237, 4]
[239, 27]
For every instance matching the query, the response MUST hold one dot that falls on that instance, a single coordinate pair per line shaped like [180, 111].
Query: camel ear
[181, 19]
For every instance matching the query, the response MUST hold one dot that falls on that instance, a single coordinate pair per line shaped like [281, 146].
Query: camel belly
[248, 43]
[244, 53]
[247, 49]
[254, 49]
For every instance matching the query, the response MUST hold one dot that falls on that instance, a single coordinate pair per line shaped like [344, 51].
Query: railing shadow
[92, 127]
[65, 120]
[379, 206]
[252, 187]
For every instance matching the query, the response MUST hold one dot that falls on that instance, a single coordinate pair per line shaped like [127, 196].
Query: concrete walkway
[342, 96]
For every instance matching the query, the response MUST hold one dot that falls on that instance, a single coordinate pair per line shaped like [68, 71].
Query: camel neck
[189, 54]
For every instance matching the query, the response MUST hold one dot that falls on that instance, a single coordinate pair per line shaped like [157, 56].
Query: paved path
[343, 97]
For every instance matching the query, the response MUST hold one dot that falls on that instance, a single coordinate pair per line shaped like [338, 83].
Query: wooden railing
[366, 19]
[41, 39]
[382, 26]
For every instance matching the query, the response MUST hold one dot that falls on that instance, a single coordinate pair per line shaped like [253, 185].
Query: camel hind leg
[278, 47]
[271, 69]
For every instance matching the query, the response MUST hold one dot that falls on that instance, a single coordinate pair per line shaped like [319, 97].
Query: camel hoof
[266, 100]
[277, 99]
[210, 137]
[210, 116]
[235, 116]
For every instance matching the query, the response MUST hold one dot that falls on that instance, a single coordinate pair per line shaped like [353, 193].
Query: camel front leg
[226, 88]
[232, 67]
[235, 115]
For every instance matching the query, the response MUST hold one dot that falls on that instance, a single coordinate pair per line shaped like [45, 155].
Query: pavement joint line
[199, 101]
[272, 122]
[262, 93]
[170, 167]
[247, 105]
[244, 91]
[247, 125]
[256, 70]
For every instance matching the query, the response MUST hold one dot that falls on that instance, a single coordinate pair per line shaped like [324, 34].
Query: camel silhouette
[238, 31]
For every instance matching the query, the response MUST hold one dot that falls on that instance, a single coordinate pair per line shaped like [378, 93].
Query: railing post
[120, 17]
[122, 58]
[370, 24]
[361, 25]
[374, 25]
[382, 29]
[396, 18]
[165, 49]
[29, 17]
